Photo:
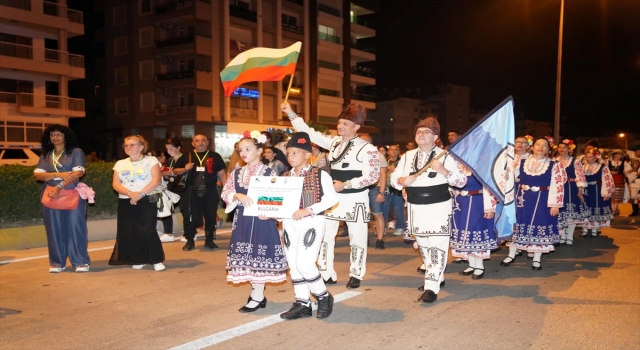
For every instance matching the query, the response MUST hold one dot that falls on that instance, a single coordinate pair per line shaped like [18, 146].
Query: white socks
[570, 229]
[471, 265]
[479, 265]
[257, 295]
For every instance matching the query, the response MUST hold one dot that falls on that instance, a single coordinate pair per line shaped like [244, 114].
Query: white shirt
[135, 175]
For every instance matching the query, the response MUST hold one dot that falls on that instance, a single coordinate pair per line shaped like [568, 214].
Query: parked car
[20, 156]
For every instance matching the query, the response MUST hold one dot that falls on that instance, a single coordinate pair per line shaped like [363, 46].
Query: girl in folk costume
[574, 210]
[255, 251]
[522, 145]
[597, 194]
[616, 168]
[540, 195]
[472, 233]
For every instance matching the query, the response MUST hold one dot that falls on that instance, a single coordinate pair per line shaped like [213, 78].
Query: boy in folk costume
[303, 233]
[354, 167]
[429, 201]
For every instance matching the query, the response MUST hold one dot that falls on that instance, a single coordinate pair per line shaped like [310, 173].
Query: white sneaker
[159, 267]
[392, 224]
[82, 268]
[137, 267]
[56, 269]
[166, 238]
[398, 232]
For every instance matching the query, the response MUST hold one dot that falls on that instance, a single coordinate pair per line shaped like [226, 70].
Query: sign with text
[274, 196]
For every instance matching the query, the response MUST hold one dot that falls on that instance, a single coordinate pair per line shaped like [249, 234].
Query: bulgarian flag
[259, 64]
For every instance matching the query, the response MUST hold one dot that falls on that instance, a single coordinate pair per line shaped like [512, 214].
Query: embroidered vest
[311, 189]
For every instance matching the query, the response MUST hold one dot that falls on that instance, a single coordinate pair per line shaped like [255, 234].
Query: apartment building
[163, 60]
[35, 69]
[396, 119]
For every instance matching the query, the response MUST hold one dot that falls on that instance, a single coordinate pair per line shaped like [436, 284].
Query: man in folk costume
[354, 167]
[304, 231]
[429, 201]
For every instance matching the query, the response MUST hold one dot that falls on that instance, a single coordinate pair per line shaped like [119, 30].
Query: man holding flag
[426, 180]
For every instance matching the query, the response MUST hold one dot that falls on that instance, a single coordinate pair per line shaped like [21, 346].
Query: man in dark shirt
[205, 167]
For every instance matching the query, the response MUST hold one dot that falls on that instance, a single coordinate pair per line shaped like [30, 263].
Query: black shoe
[421, 270]
[507, 263]
[428, 296]
[190, 245]
[325, 306]
[421, 288]
[477, 277]
[298, 310]
[353, 283]
[519, 253]
[380, 244]
[536, 268]
[466, 272]
[210, 245]
[261, 305]
[330, 281]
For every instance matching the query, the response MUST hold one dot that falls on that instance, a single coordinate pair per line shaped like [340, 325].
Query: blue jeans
[391, 201]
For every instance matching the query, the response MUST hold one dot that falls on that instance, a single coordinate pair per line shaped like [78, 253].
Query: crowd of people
[425, 194]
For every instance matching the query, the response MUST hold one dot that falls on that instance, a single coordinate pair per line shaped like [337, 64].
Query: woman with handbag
[174, 172]
[135, 179]
[64, 214]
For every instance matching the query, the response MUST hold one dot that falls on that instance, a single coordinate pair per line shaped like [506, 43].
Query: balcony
[189, 79]
[45, 104]
[57, 10]
[363, 22]
[329, 38]
[243, 13]
[329, 92]
[363, 71]
[184, 113]
[178, 40]
[175, 76]
[328, 65]
[293, 28]
[40, 13]
[363, 97]
[176, 6]
[363, 47]
[53, 61]
[328, 9]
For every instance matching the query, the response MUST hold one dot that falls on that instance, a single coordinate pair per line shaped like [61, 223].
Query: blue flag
[487, 149]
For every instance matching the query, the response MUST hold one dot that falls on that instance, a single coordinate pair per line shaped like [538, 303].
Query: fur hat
[355, 113]
[430, 123]
[300, 140]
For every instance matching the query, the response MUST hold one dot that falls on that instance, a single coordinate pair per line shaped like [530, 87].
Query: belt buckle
[464, 193]
[535, 188]
[525, 187]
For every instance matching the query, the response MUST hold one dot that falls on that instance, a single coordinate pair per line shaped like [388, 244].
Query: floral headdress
[529, 139]
[596, 153]
[255, 134]
[569, 144]
[550, 140]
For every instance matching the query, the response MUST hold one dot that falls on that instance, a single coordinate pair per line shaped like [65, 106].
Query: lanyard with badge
[201, 168]
[56, 160]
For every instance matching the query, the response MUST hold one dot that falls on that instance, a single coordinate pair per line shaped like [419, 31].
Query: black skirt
[137, 241]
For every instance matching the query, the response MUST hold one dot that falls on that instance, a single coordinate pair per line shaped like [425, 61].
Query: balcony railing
[363, 22]
[293, 28]
[328, 9]
[8, 97]
[178, 40]
[53, 9]
[329, 92]
[329, 37]
[243, 13]
[363, 71]
[166, 110]
[362, 97]
[18, 4]
[328, 65]
[49, 55]
[50, 101]
[175, 76]
[175, 6]
[362, 47]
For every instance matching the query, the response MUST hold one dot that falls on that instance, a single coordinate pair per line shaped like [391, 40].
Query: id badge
[200, 168]
[171, 179]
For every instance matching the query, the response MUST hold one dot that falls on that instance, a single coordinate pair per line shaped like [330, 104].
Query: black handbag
[179, 183]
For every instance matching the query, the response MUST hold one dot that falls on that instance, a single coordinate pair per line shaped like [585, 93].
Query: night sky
[509, 47]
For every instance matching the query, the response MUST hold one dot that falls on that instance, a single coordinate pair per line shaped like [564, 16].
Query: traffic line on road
[248, 328]
[3, 262]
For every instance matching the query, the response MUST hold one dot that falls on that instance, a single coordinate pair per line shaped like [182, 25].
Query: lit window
[188, 131]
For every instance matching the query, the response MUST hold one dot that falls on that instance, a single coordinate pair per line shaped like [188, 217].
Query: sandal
[468, 271]
[478, 276]
[536, 268]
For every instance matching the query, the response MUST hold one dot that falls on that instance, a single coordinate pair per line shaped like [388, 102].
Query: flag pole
[426, 167]
[286, 97]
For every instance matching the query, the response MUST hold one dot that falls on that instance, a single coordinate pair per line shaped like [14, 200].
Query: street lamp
[621, 135]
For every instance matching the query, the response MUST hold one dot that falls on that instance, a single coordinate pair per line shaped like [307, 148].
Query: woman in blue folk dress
[600, 187]
[540, 195]
[472, 234]
[574, 209]
[255, 252]
[61, 165]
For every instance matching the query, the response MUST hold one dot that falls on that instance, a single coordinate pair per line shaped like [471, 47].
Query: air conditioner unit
[167, 25]
[168, 92]
[167, 58]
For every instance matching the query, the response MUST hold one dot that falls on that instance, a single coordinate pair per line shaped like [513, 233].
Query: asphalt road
[585, 297]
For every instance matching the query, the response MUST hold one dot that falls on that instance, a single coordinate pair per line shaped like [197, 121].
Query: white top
[416, 157]
[135, 175]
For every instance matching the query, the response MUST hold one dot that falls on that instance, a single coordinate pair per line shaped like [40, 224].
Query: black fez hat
[300, 140]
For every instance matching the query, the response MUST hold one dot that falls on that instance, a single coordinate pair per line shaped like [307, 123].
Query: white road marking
[3, 262]
[247, 328]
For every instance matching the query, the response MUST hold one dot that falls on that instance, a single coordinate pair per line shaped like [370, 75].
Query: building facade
[163, 60]
[396, 119]
[35, 69]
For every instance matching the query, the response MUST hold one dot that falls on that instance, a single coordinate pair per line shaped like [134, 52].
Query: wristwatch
[60, 185]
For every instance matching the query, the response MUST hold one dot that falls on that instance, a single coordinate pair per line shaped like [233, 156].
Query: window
[122, 105]
[120, 46]
[144, 6]
[146, 70]
[159, 133]
[146, 101]
[145, 37]
[119, 15]
[188, 131]
[289, 19]
[121, 74]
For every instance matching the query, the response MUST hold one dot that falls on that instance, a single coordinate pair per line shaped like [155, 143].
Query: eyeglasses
[55, 134]
[423, 132]
[131, 145]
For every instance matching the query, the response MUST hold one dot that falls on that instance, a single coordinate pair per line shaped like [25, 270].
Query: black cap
[300, 140]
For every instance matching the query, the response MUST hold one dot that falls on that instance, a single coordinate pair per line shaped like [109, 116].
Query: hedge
[20, 194]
